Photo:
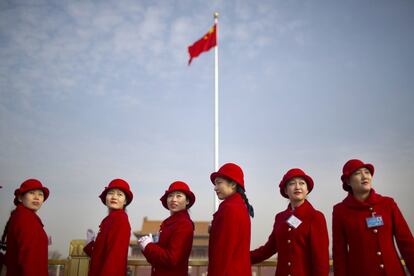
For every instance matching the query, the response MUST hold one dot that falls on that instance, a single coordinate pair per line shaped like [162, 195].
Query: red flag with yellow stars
[208, 41]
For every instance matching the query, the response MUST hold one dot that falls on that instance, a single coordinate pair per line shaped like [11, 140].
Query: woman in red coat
[27, 242]
[364, 226]
[300, 235]
[229, 242]
[169, 256]
[109, 252]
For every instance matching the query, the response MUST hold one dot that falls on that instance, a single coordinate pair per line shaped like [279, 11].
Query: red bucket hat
[230, 171]
[182, 187]
[29, 185]
[349, 168]
[118, 184]
[295, 172]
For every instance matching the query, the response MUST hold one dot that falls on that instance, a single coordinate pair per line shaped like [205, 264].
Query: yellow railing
[77, 264]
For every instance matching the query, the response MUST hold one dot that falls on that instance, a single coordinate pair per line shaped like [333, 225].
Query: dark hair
[246, 200]
[3, 241]
[240, 190]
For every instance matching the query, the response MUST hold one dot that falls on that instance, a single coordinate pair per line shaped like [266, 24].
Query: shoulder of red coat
[119, 214]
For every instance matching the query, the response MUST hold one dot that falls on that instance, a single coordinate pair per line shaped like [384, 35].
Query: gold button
[288, 241]
[289, 263]
[375, 231]
[379, 253]
[289, 229]
[288, 274]
[382, 265]
[370, 208]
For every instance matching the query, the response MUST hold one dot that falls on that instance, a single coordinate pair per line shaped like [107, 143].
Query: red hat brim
[35, 185]
[345, 177]
[307, 178]
[189, 194]
[128, 194]
[214, 175]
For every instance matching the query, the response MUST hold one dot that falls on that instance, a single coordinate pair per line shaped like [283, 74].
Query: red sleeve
[88, 249]
[32, 256]
[319, 243]
[267, 250]
[339, 245]
[117, 244]
[403, 237]
[178, 248]
[225, 234]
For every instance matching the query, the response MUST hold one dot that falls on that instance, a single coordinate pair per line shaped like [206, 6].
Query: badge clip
[374, 221]
[294, 221]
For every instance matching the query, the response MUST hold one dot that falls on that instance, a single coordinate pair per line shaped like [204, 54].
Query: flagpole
[216, 111]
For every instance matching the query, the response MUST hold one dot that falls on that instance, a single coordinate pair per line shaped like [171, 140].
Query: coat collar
[302, 211]
[116, 212]
[183, 214]
[22, 209]
[234, 198]
[112, 215]
[372, 199]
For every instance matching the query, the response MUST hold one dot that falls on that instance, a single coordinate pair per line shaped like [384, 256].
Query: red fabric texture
[27, 244]
[169, 256]
[109, 252]
[359, 250]
[208, 41]
[229, 243]
[301, 251]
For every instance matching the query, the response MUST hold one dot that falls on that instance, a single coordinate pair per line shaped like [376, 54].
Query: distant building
[200, 241]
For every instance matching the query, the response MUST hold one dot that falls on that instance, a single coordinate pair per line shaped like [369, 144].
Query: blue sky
[96, 90]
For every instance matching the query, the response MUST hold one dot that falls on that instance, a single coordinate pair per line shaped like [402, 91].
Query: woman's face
[177, 201]
[32, 199]
[224, 188]
[115, 199]
[296, 189]
[361, 181]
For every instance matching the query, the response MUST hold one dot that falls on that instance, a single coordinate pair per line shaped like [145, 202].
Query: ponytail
[243, 194]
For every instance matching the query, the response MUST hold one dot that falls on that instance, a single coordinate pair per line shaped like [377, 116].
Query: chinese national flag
[208, 41]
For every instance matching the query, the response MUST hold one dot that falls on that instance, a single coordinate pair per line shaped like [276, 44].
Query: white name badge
[294, 221]
[374, 221]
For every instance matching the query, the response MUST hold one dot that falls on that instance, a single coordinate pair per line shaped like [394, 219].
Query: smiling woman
[300, 234]
[169, 256]
[229, 241]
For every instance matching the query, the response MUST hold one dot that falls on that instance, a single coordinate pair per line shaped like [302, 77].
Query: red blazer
[109, 252]
[170, 255]
[229, 243]
[301, 251]
[359, 250]
[27, 244]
